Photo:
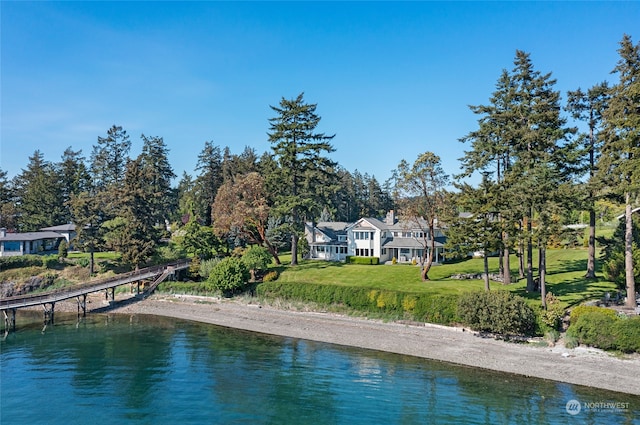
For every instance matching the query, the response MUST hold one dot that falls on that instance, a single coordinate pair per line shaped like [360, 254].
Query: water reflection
[144, 369]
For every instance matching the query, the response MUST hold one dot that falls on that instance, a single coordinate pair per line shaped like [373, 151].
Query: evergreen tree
[8, 212]
[158, 173]
[186, 197]
[208, 181]
[589, 107]
[619, 165]
[86, 214]
[74, 177]
[303, 167]
[39, 194]
[482, 230]
[139, 237]
[109, 159]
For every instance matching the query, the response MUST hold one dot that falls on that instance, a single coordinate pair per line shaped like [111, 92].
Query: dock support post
[49, 313]
[82, 304]
[10, 320]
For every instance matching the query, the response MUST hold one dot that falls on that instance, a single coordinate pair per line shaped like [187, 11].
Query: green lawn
[565, 277]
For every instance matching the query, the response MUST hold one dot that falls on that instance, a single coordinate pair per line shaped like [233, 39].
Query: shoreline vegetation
[579, 366]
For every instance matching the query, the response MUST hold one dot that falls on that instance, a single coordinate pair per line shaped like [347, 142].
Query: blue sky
[391, 80]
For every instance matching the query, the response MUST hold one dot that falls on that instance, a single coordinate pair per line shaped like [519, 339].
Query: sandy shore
[580, 366]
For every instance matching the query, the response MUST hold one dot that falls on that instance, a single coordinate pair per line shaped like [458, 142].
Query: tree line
[125, 204]
[536, 171]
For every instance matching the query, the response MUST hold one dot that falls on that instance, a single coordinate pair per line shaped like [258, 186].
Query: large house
[405, 241]
[45, 241]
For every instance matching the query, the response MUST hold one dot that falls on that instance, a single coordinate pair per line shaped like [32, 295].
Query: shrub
[206, 266]
[498, 312]
[271, 276]
[362, 260]
[442, 309]
[627, 334]
[49, 261]
[582, 309]
[595, 328]
[20, 261]
[84, 262]
[63, 249]
[229, 275]
[552, 316]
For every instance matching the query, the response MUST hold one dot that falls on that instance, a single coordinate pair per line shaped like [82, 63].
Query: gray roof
[61, 228]
[408, 243]
[332, 228]
[30, 236]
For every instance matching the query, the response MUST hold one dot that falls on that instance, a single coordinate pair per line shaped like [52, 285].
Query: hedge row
[18, 261]
[420, 307]
[603, 328]
[350, 259]
[499, 312]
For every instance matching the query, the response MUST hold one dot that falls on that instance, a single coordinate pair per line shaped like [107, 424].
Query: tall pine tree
[619, 165]
[303, 166]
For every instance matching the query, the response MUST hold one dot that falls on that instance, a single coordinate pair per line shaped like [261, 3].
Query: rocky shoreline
[579, 366]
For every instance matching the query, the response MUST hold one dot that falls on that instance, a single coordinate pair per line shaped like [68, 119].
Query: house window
[384, 251]
[12, 246]
[342, 238]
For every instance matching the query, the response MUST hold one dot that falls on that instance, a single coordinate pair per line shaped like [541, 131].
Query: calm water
[116, 369]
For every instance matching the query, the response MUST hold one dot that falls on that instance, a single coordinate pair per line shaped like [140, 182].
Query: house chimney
[391, 218]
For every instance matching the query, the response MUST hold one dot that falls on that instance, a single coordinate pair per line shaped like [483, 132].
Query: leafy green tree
[619, 165]
[198, 240]
[208, 181]
[241, 206]
[303, 167]
[256, 258]
[40, 195]
[420, 189]
[589, 107]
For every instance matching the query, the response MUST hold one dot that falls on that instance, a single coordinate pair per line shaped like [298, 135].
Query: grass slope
[565, 277]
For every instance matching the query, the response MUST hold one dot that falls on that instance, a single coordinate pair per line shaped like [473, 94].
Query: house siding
[370, 237]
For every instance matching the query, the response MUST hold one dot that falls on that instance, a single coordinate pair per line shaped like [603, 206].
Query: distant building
[405, 241]
[45, 241]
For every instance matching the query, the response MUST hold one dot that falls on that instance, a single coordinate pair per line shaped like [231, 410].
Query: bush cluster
[603, 328]
[362, 260]
[420, 307]
[499, 312]
[30, 260]
[230, 275]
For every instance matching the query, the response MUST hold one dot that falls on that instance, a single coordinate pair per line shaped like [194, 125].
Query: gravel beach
[580, 366]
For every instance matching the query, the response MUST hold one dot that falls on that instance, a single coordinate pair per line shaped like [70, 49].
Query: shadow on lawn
[574, 291]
